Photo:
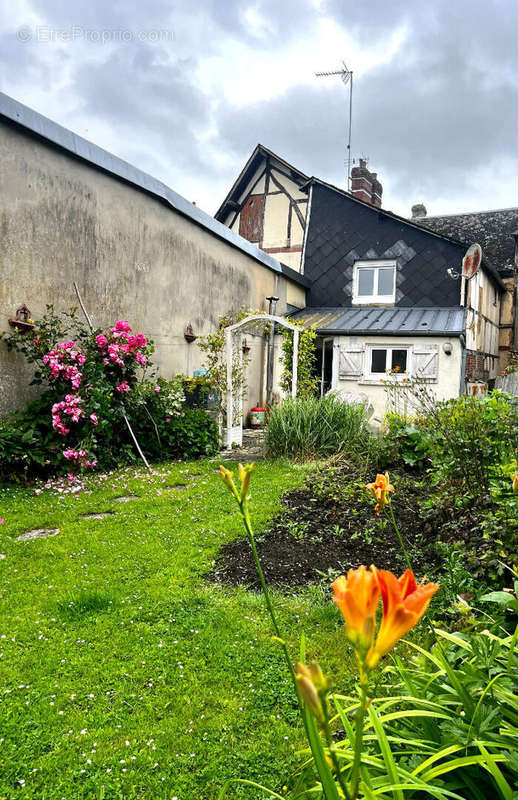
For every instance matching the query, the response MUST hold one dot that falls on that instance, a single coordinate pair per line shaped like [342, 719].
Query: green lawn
[124, 673]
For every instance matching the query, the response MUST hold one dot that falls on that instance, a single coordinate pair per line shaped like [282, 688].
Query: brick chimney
[365, 184]
[418, 211]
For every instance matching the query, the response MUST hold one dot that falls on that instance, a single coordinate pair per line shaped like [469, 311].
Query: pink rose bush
[120, 353]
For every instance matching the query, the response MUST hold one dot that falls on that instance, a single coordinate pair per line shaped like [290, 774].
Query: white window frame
[375, 297]
[378, 376]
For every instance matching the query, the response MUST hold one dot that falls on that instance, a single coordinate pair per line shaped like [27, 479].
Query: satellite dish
[471, 261]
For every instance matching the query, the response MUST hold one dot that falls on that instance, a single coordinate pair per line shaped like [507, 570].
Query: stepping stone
[125, 498]
[178, 486]
[97, 515]
[37, 533]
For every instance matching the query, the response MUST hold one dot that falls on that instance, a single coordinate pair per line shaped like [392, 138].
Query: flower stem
[249, 530]
[332, 752]
[358, 741]
[243, 507]
[394, 525]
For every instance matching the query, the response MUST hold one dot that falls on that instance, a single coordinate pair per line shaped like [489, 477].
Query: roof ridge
[469, 213]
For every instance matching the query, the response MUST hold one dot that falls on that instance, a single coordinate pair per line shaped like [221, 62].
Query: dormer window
[374, 282]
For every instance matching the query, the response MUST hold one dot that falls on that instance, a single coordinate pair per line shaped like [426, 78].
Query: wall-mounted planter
[189, 334]
[25, 327]
[23, 320]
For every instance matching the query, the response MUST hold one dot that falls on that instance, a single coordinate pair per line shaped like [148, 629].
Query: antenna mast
[347, 78]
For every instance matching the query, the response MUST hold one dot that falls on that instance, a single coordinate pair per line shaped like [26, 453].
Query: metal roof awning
[389, 321]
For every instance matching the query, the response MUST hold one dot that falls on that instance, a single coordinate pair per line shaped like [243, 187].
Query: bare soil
[329, 526]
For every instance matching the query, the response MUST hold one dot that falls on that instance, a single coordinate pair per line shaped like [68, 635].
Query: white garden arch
[235, 397]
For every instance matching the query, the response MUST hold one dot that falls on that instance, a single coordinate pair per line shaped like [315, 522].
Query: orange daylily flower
[404, 603]
[357, 597]
[514, 478]
[381, 489]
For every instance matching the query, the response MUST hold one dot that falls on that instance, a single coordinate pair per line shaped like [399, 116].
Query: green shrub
[308, 428]
[470, 438]
[409, 441]
[191, 434]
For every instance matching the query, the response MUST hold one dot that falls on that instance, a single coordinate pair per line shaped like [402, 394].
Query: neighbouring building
[268, 206]
[386, 292]
[497, 233]
[71, 212]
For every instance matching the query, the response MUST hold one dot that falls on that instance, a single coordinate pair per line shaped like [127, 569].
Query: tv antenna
[347, 78]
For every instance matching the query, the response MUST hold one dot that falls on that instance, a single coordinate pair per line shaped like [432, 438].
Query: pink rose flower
[93, 419]
[122, 325]
[157, 388]
[122, 387]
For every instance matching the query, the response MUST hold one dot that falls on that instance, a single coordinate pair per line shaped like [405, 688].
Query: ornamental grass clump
[310, 427]
[429, 736]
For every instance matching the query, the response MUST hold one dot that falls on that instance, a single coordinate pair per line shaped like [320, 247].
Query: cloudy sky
[184, 89]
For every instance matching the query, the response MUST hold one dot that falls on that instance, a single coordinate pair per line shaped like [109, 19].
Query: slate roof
[386, 321]
[491, 229]
[37, 125]
[337, 235]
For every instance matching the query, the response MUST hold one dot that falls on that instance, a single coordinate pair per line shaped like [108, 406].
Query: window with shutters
[374, 282]
[382, 361]
[375, 362]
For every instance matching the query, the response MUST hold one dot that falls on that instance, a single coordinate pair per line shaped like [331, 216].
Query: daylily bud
[514, 478]
[228, 479]
[311, 683]
[317, 676]
[244, 477]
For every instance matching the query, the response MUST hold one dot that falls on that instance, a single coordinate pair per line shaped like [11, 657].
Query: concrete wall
[444, 387]
[132, 256]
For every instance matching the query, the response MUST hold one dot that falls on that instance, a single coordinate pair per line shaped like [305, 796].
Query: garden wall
[133, 257]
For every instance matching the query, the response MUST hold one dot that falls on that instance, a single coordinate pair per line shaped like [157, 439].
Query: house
[386, 293]
[71, 212]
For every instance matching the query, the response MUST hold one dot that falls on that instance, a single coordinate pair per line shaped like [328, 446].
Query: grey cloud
[443, 107]
[153, 104]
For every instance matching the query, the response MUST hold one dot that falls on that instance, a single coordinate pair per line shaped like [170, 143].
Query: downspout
[462, 387]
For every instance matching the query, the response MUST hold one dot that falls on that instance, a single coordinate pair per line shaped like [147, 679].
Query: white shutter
[425, 358]
[350, 365]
